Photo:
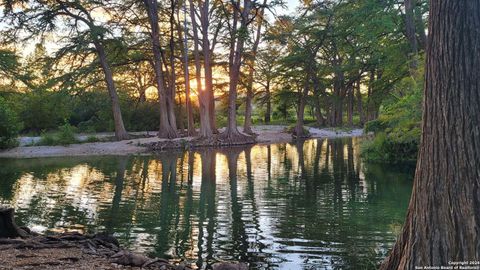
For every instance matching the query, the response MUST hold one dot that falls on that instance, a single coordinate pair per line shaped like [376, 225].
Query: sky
[28, 48]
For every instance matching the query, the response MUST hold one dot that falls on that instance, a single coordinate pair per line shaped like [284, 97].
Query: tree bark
[301, 109]
[247, 126]
[338, 96]
[443, 216]
[350, 105]
[173, 76]
[120, 131]
[411, 33]
[204, 104]
[268, 97]
[420, 26]
[359, 103]
[166, 130]
[318, 92]
[188, 102]
[8, 228]
[231, 135]
[207, 124]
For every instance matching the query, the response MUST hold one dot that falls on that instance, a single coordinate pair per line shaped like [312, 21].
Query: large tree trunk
[207, 63]
[301, 110]
[204, 105]
[359, 103]
[188, 102]
[173, 77]
[120, 131]
[443, 218]
[350, 105]
[370, 112]
[8, 228]
[410, 33]
[318, 92]
[231, 135]
[207, 120]
[166, 130]
[268, 97]
[247, 126]
[420, 26]
[337, 99]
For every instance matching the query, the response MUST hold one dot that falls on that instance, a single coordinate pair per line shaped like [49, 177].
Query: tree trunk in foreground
[443, 218]
[120, 131]
[8, 228]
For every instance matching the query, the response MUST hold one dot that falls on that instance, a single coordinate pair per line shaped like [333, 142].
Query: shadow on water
[306, 205]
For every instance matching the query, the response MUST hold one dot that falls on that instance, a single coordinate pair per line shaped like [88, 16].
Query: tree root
[99, 247]
[223, 139]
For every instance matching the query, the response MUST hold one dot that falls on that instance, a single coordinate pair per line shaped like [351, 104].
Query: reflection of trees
[206, 207]
[251, 196]
[168, 203]
[185, 234]
[117, 197]
[239, 237]
[317, 198]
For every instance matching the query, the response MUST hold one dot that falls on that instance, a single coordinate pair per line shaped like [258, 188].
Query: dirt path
[266, 134]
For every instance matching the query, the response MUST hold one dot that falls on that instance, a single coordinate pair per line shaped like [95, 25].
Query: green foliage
[397, 130]
[92, 138]
[374, 126]
[9, 126]
[44, 110]
[400, 145]
[64, 136]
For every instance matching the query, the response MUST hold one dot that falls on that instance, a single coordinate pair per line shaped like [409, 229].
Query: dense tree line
[176, 66]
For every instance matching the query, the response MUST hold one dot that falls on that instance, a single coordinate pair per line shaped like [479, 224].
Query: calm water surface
[309, 205]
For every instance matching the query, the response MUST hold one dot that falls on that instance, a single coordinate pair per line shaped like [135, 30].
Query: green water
[311, 205]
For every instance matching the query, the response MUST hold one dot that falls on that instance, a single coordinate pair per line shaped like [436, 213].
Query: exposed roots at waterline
[220, 140]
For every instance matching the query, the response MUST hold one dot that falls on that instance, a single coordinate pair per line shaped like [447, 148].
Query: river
[305, 205]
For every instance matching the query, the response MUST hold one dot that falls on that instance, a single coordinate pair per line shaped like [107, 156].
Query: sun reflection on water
[281, 206]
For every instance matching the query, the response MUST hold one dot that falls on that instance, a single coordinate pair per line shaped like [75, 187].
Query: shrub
[9, 126]
[374, 126]
[44, 110]
[397, 130]
[47, 139]
[64, 136]
[92, 138]
[400, 145]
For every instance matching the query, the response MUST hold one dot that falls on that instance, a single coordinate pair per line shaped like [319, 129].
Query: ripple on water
[290, 206]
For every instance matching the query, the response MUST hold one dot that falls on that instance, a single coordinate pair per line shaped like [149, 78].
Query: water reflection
[306, 205]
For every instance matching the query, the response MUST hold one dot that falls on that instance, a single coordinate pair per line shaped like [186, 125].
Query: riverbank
[20, 248]
[266, 134]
